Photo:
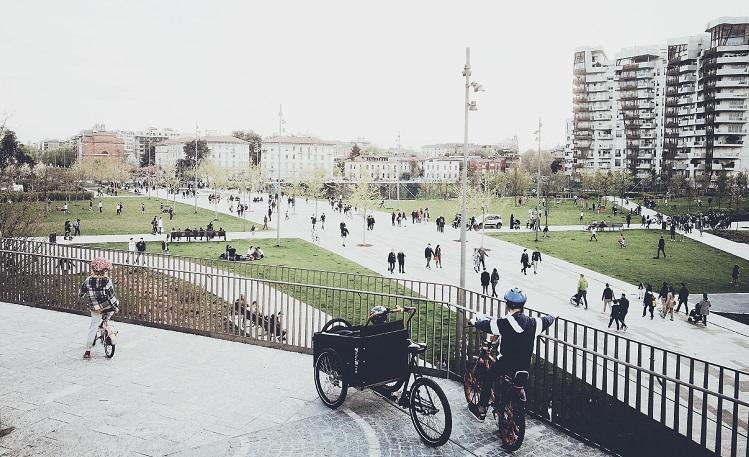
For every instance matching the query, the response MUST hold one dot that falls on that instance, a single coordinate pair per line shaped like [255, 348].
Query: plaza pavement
[170, 393]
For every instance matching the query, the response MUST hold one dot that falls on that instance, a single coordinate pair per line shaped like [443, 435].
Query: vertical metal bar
[663, 388]
[690, 400]
[677, 399]
[735, 415]
[703, 426]
[719, 412]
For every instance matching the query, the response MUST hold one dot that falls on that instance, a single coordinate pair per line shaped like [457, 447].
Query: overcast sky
[341, 69]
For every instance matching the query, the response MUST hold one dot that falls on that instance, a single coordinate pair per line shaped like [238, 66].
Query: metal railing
[199, 296]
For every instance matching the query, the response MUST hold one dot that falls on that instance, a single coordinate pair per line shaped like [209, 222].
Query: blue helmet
[515, 298]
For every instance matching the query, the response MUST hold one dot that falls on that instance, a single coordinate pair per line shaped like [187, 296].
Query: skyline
[229, 66]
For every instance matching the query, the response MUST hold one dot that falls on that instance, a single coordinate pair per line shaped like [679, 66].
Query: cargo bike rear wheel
[330, 381]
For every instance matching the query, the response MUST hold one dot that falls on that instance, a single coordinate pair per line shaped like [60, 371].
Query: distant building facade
[136, 142]
[301, 157]
[441, 169]
[375, 168]
[226, 151]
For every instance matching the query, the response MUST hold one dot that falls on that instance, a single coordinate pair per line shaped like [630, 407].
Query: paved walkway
[169, 393]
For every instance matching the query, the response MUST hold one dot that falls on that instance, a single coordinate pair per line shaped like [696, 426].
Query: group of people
[195, 234]
[253, 253]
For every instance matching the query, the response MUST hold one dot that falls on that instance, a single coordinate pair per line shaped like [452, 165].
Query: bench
[616, 226]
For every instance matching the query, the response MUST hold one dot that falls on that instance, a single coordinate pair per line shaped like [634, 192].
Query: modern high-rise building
[680, 109]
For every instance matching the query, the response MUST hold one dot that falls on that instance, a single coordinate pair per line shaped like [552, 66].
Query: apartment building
[441, 169]
[680, 109]
[376, 168]
[136, 142]
[228, 152]
[300, 157]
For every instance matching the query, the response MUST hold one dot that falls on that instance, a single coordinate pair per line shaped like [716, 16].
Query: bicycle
[383, 358]
[507, 397]
[106, 335]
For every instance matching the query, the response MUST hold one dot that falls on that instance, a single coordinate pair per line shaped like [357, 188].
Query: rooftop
[207, 139]
[293, 139]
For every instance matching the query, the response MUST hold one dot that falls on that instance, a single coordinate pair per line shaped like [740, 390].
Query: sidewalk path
[169, 393]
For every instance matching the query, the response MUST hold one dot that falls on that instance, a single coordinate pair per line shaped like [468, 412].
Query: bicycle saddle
[416, 348]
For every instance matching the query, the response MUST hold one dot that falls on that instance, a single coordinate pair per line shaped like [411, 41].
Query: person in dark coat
[619, 311]
[524, 261]
[485, 280]
[683, 297]
[391, 261]
[428, 253]
[661, 248]
[648, 301]
[535, 260]
[494, 281]
[401, 262]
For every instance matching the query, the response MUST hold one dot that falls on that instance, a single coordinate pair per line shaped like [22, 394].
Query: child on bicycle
[102, 302]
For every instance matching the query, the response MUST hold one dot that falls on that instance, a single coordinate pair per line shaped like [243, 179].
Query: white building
[50, 145]
[228, 152]
[375, 168]
[300, 157]
[432, 151]
[677, 109]
[441, 169]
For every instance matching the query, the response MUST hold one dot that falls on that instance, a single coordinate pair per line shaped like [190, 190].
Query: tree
[722, 184]
[362, 196]
[256, 143]
[518, 181]
[316, 186]
[621, 181]
[186, 166]
[217, 178]
[13, 153]
[63, 156]
[148, 157]
[355, 152]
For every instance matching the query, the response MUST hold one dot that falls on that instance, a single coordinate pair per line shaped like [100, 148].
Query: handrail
[646, 371]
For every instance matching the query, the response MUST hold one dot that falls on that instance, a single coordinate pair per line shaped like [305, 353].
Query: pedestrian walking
[165, 245]
[265, 222]
[428, 253]
[482, 255]
[401, 262]
[735, 275]
[485, 280]
[582, 290]
[77, 227]
[704, 309]
[438, 256]
[607, 297]
[524, 261]
[391, 261]
[101, 206]
[670, 303]
[622, 307]
[130, 251]
[593, 233]
[546, 231]
[140, 246]
[661, 248]
[344, 233]
[683, 297]
[648, 301]
[494, 281]
[535, 260]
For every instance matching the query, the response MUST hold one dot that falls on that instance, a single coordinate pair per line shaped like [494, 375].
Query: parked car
[491, 221]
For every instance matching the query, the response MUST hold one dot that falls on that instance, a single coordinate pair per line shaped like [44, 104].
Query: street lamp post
[278, 184]
[467, 106]
[398, 171]
[537, 222]
[195, 177]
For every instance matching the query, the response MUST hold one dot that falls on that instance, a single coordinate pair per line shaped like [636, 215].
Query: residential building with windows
[227, 151]
[441, 169]
[49, 145]
[300, 157]
[136, 142]
[681, 109]
[432, 151]
[376, 168]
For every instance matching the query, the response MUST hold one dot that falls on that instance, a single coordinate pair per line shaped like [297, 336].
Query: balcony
[732, 60]
[743, 83]
[578, 89]
[582, 144]
[730, 119]
[732, 71]
[581, 108]
[600, 108]
[729, 95]
[730, 107]
[583, 117]
[581, 99]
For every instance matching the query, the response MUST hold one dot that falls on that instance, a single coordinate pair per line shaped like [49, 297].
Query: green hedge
[44, 196]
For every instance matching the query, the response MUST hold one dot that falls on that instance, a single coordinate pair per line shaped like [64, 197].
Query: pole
[195, 178]
[463, 216]
[278, 184]
[538, 183]
[398, 171]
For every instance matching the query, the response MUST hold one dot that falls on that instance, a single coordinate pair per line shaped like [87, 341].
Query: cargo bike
[379, 355]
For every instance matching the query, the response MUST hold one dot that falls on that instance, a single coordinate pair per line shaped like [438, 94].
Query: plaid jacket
[99, 291]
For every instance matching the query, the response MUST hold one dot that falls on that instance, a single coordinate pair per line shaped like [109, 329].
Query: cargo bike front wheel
[430, 412]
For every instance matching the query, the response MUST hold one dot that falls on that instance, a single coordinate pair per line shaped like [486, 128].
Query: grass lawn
[683, 204]
[132, 220]
[296, 253]
[703, 268]
[562, 213]
[293, 252]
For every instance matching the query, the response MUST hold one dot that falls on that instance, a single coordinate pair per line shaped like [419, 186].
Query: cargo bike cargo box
[372, 354]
